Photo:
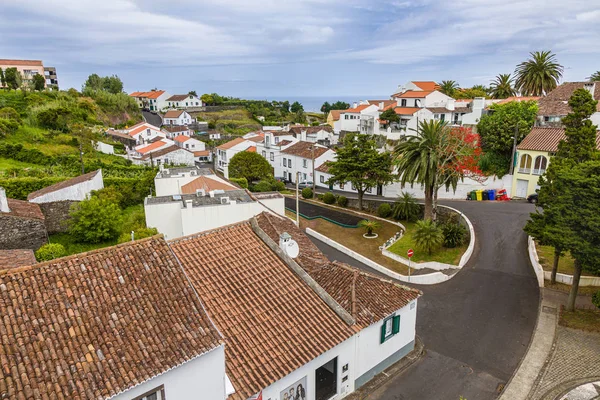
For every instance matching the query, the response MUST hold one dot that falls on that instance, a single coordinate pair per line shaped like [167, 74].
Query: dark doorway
[326, 380]
[379, 190]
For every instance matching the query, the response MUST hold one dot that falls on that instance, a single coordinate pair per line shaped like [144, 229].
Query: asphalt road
[476, 327]
[152, 119]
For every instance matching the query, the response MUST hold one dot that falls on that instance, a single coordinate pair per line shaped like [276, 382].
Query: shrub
[50, 251]
[342, 201]
[454, 234]
[307, 193]
[262, 186]
[241, 182]
[384, 210]
[596, 299]
[427, 236]
[95, 220]
[278, 186]
[137, 234]
[369, 226]
[109, 193]
[406, 208]
[328, 198]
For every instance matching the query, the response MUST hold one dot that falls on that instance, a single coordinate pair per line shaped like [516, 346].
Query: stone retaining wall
[57, 215]
[22, 233]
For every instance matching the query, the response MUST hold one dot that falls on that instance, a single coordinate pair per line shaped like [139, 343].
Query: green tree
[2, 78]
[285, 106]
[427, 235]
[539, 75]
[193, 93]
[406, 208]
[39, 82]
[251, 166]
[207, 99]
[470, 93]
[95, 220]
[326, 107]
[502, 87]
[340, 105]
[13, 78]
[93, 82]
[296, 107]
[390, 116]
[448, 88]
[112, 84]
[592, 78]
[369, 226]
[359, 163]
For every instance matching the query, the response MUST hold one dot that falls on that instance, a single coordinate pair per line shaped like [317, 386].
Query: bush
[137, 234]
[342, 201]
[328, 198]
[95, 220]
[454, 234]
[307, 193]
[109, 193]
[241, 182]
[50, 251]
[427, 236]
[406, 208]
[262, 186]
[596, 299]
[384, 210]
[278, 186]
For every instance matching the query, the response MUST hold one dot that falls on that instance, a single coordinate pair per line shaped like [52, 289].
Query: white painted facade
[156, 103]
[224, 155]
[289, 165]
[200, 378]
[104, 147]
[189, 102]
[182, 131]
[148, 148]
[77, 192]
[149, 133]
[176, 157]
[191, 144]
[171, 183]
[350, 121]
[183, 119]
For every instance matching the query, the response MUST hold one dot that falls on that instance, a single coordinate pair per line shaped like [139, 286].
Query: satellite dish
[292, 249]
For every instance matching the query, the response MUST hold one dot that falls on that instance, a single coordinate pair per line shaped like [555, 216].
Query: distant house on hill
[184, 101]
[154, 100]
[177, 117]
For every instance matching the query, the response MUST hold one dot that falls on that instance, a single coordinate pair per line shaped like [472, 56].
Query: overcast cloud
[297, 47]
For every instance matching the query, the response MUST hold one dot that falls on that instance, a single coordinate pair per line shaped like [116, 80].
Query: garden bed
[566, 264]
[586, 320]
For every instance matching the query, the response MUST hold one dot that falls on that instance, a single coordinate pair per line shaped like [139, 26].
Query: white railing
[524, 170]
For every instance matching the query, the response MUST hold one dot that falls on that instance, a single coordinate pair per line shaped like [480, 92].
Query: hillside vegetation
[238, 121]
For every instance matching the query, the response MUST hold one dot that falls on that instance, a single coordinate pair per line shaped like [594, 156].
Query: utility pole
[312, 155]
[514, 149]
[297, 199]
[81, 156]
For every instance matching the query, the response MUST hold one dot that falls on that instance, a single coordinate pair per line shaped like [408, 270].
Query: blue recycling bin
[492, 194]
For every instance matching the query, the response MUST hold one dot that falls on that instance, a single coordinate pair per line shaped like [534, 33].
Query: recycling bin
[492, 194]
[479, 195]
[473, 195]
[485, 195]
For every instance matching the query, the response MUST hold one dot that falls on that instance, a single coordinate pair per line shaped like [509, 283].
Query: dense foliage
[338, 105]
[502, 87]
[307, 193]
[250, 165]
[50, 251]
[428, 235]
[342, 201]
[328, 198]
[241, 182]
[454, 234]
[384, 210]
[406, 208]
[111, 84]
[95, 220]
[539, 75]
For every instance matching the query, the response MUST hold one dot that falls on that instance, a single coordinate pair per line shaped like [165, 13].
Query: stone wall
[22, 233]
[57, 215]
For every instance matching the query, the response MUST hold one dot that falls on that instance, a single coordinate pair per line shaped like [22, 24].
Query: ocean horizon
[314, 103]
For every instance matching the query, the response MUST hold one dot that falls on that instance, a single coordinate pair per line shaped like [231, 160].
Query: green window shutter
[396, 324]
[382, 333]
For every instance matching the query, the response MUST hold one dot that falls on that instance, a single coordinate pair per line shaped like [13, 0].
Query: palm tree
[369, 226]
[418, 160]
[538, 75]
[448, 87]
[406, 208]
[502, 87]
[594, 77]
[427, 235]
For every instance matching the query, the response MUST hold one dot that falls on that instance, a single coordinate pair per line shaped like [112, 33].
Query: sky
[297, 48]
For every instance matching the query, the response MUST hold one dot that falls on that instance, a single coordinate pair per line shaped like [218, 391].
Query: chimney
[284, 239]
[381, 105]
[189, 204]
[590, 87]
[354, 105]
[3, 201]
[450, 104]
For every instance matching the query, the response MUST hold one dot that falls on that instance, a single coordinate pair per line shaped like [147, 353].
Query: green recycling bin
[473, 195]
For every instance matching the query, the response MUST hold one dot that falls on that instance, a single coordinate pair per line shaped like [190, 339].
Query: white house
[322, 134]
[226, 151]
[274, 141]
[170, 155]
[554, 106]
[177, 117]
[145, 133]
[154, 100]
[75, 189]
[299, 158]
[173, 131]
[169, 181]
[152, 147]
[185, 214]
[183, 101]
[350, 119]
[188, 143]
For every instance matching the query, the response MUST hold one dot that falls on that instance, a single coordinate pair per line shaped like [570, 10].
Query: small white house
[75, 189]
[177, 117]
[188, 143]
[172, 131]
[183, 101]
[171, 155]
[154, 100]
[299, 158]
[156, 145]
[104, 147]
[226, 151]
[145, 133]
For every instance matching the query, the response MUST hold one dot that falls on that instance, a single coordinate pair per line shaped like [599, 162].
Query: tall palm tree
[418, 160]
[539, 74]
[502, 87]
[594, 77]
[448, 87]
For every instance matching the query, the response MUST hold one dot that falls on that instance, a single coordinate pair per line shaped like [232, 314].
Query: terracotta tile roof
[64, 184]
[256, 139]
[429, 86]
[335, 114]
[284, 142]
[16, 258]
[272, 321]
[376, 298]
[518, 99]
[154, 94]
[324, 167]
[231, 143]
[206, 183]
[151, 147]
[24, 209]
[201, 153]
[303, 149]
[358, 109]
[92, 325]
[181, 138]
[546, 139]
[175, 128]
[173, 114]
[555, 102]
[414, 94]
[178, 97]
[162, 152]
[142, 128]
[29, 63]
[310, 129]
[112, 132]
[406, 110]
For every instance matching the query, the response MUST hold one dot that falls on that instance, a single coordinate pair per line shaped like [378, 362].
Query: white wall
[277, 205]
[76, 192]
[104, 148]
[166, 217]
[202, 378]
[147, 135]
[395, 189]
[176, 157]
[183, 119]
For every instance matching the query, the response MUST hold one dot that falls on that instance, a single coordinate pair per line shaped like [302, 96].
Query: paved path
[476, 327]
[151, 118]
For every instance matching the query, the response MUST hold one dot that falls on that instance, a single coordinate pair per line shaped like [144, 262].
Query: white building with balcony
[301, 158]
[226, 151]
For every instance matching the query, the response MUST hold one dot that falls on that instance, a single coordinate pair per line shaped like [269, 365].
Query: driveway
[152, 119]
[476, 327]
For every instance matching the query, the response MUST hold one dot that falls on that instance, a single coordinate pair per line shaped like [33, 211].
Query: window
[276, 139]
[264, 154]
[322, 179]
[304, 177]
[155, 394]
[284, 161]
[539, 167]
[442, 117]
[341, 186]
[305, 163]
[290, 162]
[436, 116]
[272, 156]
[525, 165]
[403, 103]
[370, 190]
[390, 327]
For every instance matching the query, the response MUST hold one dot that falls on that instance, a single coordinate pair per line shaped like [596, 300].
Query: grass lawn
[565, 263]
[587, 320]
[6, 163]
[583, 290]
[443, 255]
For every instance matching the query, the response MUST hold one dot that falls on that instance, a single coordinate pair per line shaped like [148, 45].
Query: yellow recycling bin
[479, 195]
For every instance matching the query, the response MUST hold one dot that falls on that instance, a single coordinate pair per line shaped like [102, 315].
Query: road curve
[476, 327]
